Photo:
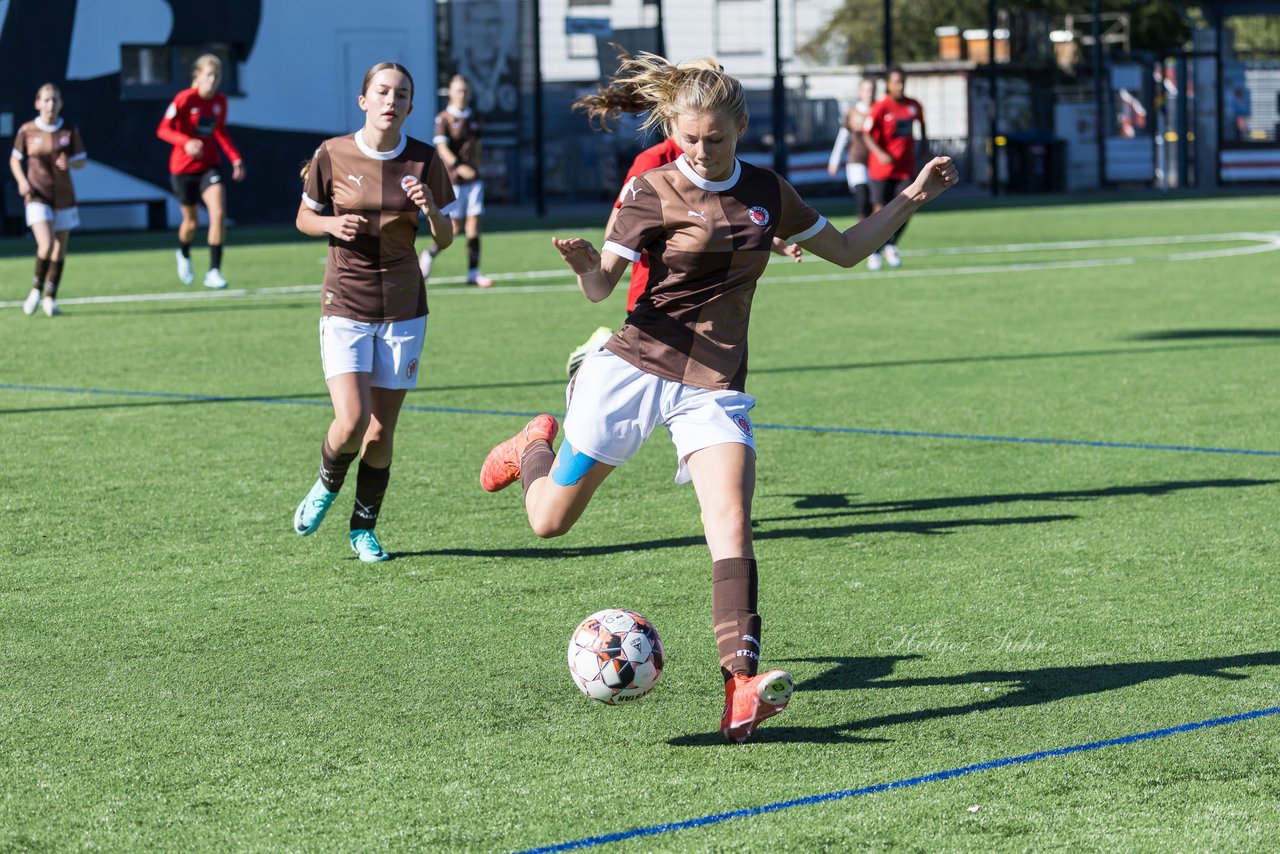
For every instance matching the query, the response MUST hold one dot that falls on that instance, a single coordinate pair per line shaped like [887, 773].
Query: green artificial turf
[179, 671]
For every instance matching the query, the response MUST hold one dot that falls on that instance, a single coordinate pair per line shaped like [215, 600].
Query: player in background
[194, 121]
[457, 141]
[364, 192]
[50, 149]
[851, 145]
[889, 135]
[708, 220]
[602, 108]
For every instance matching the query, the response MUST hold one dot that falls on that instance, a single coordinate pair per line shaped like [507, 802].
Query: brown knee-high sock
[333, 466]
[54, 279]
[734, 585]
[535, 463]
[371, 485]
[42, 272]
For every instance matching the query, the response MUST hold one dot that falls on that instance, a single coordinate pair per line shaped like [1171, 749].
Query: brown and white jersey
[374, 278]
[460, 130]
[708, 244]
[38, 145]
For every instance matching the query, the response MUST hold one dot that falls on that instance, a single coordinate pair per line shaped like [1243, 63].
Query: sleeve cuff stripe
[18, 154]
[621, 251]
[449, 209]
[809, 232]
[84, 155]
[312, 203]
[439, 139]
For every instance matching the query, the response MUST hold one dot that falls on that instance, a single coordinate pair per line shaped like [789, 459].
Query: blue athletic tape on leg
[571, 466]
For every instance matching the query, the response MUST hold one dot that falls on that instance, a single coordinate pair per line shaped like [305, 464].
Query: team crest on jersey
[412, 369]
[744, 424]
[405, 183]
[64, 140]
[760, 217]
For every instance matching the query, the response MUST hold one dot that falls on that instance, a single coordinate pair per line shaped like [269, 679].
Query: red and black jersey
[651, 158]
[191, 116]
[891, 125]
[708, 245]
[39, 145]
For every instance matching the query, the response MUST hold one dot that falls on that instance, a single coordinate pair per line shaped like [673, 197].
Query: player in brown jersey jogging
[372, 183]
[457, 141]
[49, 148]
[707, 221]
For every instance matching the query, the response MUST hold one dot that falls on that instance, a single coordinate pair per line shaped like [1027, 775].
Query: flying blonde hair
[650, 82]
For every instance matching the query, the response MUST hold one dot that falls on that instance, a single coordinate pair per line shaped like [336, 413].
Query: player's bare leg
[43, 233]
[375, 471]
[474, 276]
[186, 236]
[352, 401]
[215, 201]
[57, 258]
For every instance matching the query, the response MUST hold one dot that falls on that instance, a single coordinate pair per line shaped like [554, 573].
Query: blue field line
[810, 800]
[861, 431]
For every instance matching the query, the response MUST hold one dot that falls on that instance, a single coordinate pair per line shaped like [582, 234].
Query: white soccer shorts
[615, 407]
[388, 351]
[470, 199]
[855, 174]
[63, 219]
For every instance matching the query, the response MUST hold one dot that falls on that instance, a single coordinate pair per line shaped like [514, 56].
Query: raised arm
[849, 247]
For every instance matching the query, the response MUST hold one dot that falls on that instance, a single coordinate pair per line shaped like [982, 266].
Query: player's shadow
[1200, 334]
[1018, 689]
[838, 505]
[925, 528]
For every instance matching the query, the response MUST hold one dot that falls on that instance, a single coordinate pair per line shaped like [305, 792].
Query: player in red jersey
[708, 221]
[195, 120]
[602, 107]
[49, 148]
[889, 133]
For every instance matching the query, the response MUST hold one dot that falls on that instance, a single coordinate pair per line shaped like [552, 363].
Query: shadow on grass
[926, 528]
[841, 505]
[1198, 334]
[1028, 688]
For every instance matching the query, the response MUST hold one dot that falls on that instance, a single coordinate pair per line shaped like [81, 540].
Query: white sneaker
[50, 306]
[597, 340]
[213, 279]
[891, 256]
[32, 302]
[480, 280]
[874, 261]
[425, 260]
[185, 275]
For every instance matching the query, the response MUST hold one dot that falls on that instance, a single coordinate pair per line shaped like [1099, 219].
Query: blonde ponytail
[650, 82]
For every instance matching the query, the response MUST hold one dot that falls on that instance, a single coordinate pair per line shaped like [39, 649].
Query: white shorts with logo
[388, 351]
[470, 199]
[63, 219]
[855, 174]
[615, 406]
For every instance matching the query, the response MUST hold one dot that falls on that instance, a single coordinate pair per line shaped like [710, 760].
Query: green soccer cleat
[365, 544]
[311, 511]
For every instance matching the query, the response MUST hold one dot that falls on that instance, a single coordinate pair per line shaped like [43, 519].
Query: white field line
[1263, 242]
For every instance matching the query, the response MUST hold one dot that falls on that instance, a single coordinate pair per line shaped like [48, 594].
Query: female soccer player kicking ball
[680, 359]
[374, 305]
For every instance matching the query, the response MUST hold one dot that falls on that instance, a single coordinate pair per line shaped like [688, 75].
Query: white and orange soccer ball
[615, 655]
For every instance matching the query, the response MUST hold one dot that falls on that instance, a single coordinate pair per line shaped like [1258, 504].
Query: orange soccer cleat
[502, 467]
[749, 700]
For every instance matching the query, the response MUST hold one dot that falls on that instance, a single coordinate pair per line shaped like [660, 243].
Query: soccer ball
[615, 655]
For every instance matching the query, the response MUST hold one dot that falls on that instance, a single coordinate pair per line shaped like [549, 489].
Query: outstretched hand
[937, 176]
[579, 254]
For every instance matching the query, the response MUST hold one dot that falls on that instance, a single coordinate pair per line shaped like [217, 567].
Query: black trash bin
[1036, 163]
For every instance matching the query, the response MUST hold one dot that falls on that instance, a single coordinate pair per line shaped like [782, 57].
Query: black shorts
[189, 188]
[882, 192]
